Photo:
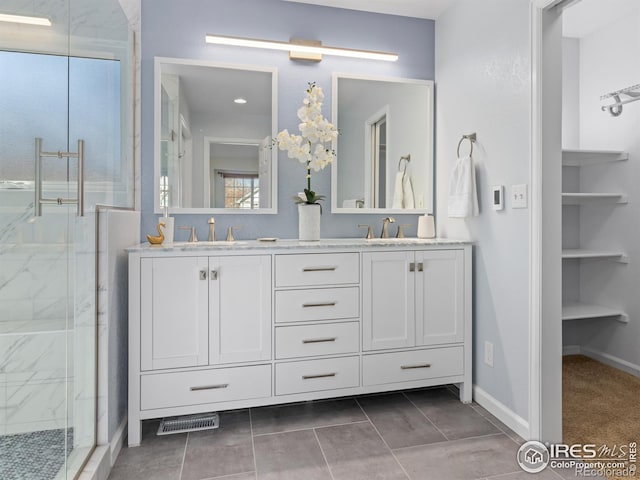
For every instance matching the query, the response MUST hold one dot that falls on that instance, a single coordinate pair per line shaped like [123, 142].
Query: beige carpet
[601, 405]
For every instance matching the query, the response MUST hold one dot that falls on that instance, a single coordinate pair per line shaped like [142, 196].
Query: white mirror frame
[157, 82]
[429, 137]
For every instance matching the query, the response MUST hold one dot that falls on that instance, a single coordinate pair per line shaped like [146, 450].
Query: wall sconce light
[301, 49]
[5, 17]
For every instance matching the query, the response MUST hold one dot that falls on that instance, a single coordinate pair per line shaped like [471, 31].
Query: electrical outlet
[488, 353]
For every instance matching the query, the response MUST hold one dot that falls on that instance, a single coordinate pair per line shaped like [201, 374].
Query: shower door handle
[39, 200]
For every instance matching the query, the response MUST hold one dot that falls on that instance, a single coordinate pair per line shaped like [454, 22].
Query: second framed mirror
[385, 147]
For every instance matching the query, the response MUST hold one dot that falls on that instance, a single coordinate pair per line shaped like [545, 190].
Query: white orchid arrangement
[310, 147]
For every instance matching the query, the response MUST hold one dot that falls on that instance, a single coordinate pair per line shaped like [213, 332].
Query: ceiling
[588, 16]
[406, 8]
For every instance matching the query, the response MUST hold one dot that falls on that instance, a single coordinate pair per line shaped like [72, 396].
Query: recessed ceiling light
[45, 22]
[240, 100]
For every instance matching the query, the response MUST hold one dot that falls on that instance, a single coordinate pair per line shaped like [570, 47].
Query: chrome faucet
[385, 226]
[212, 229]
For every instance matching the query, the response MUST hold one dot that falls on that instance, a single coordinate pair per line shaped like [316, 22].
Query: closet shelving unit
[584, 158]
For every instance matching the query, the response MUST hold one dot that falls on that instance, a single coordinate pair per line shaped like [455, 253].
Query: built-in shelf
[583, 311]
[582, 253]
[582, 198]
[580, 158]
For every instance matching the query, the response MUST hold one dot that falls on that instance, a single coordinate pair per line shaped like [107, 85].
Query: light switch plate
[519, 196]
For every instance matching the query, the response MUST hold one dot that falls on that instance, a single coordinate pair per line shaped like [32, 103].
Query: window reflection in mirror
[214, 125]
[385, 147]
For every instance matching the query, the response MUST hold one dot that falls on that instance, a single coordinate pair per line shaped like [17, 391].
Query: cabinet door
[240, 309]
[439, 297]
[174, 321]
[388, 300]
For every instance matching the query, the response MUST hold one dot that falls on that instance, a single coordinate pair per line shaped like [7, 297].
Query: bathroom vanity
[218, 326]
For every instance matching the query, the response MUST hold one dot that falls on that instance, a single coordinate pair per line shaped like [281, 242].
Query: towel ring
[472, 139]
[407, 159]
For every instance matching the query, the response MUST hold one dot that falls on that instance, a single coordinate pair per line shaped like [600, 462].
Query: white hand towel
[403, 192]
[397, 191]
[463, 196]
[407, 193]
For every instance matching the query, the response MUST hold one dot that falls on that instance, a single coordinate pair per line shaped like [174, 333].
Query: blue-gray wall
[173, 28]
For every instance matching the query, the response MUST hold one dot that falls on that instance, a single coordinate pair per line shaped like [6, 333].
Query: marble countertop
[293, 244]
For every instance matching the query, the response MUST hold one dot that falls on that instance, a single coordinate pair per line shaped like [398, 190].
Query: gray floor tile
[544, 475]
[226, 450]
[467, 459]
[154, 453]
[453, 418]
[570, 474]
[144, 472]
[356, 452]
[485, 413]
[290, 456]
[399, 422]
[300, 416]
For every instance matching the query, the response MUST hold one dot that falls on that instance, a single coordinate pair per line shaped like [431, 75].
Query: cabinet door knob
[214, 274]
[203, 274]
[412, 267]
[420, 267]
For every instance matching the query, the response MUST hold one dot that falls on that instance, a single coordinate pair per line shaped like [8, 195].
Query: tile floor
[420, 434]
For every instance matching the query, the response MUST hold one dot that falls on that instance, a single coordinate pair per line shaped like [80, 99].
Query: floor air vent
[189, 423]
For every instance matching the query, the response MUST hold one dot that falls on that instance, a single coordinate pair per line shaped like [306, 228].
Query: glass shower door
[36, 267]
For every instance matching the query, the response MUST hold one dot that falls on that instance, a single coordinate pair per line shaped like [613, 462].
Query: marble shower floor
[420, 434]
[35, 455]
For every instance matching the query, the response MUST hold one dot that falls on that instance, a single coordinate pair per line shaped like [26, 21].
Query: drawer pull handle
[411, 367]
[322, 375]
[320, 340]
[311, 305]
[319, 269]
[209, 387]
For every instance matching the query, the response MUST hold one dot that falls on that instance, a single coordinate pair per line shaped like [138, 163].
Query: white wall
[483, 85]
[570, 93]
[608, 62]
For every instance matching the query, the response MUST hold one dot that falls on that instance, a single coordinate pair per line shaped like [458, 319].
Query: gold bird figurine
[153, 240]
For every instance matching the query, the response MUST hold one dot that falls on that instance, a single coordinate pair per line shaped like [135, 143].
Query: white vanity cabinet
[235, 326]
[174, 322]
[412, 298]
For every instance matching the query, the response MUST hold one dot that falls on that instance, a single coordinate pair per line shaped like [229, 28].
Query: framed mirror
[213, 129]
[385, 147]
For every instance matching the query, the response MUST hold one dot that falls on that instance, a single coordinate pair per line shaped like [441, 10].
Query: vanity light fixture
[301, 49]
[240, 100]
[5, 17]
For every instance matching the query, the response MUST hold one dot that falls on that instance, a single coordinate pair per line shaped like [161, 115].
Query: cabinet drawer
[311, 340]
[204, 386]
[317, 304]
[315, 375]
[410, 366]
[317, 269]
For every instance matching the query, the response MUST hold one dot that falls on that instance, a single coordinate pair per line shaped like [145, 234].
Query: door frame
[545, 259]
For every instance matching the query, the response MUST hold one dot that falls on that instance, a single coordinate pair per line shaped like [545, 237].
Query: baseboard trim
[515, 422]
[571, 350]
[611, 360]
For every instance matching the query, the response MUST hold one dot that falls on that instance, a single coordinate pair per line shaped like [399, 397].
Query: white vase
[308, 222]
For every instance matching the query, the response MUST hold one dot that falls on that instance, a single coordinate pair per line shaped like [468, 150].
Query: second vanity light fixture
[301, 49]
